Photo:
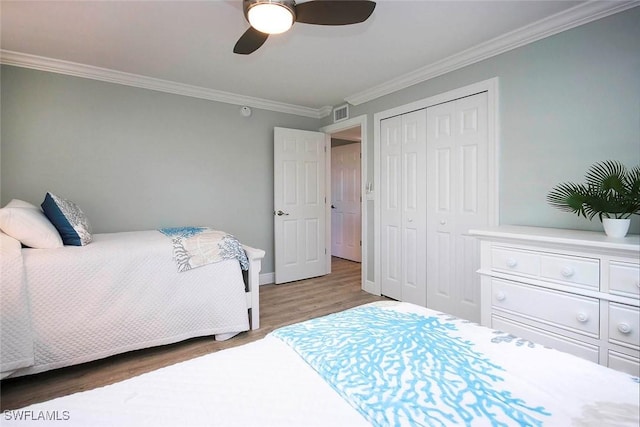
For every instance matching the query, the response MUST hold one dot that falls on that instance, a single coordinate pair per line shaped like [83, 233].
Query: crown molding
[58, 66]
[573, 17]
[570, 18]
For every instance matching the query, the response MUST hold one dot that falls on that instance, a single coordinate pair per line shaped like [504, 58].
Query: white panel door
[299, 204]
[403, 202]
[390, 207]
[457, 192]
[345, 202]
[414, 203]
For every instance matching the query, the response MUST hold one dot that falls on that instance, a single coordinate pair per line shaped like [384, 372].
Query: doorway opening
[343, 134]
[346, 197]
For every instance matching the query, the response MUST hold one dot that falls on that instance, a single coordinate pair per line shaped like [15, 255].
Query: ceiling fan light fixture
[271, 17]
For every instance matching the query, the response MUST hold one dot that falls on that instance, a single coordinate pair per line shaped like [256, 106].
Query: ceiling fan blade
[250, 41]
[334, 12]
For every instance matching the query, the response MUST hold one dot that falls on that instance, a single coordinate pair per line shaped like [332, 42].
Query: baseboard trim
[267, 278]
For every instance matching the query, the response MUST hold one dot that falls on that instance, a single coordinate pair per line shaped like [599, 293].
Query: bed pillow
[68, 219]
[26, 223]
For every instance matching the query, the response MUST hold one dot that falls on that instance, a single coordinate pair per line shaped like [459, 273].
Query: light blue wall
[137, 159]
[566, 102]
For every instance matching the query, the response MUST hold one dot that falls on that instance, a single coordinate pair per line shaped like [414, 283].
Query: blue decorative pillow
[68, 219]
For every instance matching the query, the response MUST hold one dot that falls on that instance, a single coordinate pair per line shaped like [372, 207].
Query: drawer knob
[500, 296]
[582, 317]
[624, 328]
[512, 262]
[567, 272]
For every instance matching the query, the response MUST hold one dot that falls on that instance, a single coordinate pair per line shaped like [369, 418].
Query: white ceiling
[190, 43]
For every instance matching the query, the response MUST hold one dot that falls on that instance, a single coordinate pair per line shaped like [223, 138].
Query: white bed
[378, 364]
[122, 292]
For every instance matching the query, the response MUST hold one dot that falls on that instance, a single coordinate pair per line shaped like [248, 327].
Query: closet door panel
[457, 180]
[441, 197]
[442, 186]
[414, 152]
[471, 141]
[391, 207]
[441, 285]
[469, 179]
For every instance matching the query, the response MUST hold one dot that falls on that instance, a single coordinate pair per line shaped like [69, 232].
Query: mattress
[123, 292]
[297, 376]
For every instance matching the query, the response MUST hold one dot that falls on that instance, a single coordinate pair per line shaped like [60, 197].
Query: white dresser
[576, 291]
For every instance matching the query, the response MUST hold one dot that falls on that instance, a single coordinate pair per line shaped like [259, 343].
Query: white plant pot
[614, 227]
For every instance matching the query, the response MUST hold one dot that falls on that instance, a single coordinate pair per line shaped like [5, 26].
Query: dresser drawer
[515, 261]
[624, 278]
[548, 339]
[571, 270]
[624, 324]
[560, 309]
[624, 363]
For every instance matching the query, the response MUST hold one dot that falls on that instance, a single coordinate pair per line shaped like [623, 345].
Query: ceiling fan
[277, 16]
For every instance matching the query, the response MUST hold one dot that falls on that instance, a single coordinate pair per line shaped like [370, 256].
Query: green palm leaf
[607, 176]
[569, 197]
[611, 191]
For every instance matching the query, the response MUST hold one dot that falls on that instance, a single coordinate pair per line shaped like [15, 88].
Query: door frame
[491, 86]
[328, 130]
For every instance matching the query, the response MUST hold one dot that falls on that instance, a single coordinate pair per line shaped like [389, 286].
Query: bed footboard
[252, 279]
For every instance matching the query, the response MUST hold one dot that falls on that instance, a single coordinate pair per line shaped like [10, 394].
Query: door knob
[333, 207]
[280, 213]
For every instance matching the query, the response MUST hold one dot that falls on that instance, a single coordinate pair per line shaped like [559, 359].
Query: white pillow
[15, 203]
[28, 224]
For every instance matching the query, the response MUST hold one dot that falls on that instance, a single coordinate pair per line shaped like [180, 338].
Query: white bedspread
[122, 292]
[16, 344]
[261, 384]
[266, 383]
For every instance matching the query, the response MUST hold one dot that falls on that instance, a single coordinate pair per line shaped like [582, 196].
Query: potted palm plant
[611, 191]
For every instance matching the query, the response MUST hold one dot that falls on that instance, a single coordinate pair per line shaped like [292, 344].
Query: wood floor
[279, 305]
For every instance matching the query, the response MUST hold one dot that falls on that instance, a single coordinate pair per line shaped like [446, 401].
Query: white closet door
[403, 207]
[414, 203]
[457, 192]
[390, 207]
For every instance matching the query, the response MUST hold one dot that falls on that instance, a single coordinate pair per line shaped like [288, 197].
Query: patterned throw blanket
[197, 246]
[401, 369]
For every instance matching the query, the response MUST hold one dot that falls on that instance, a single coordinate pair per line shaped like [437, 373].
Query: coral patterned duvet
[402, 365]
